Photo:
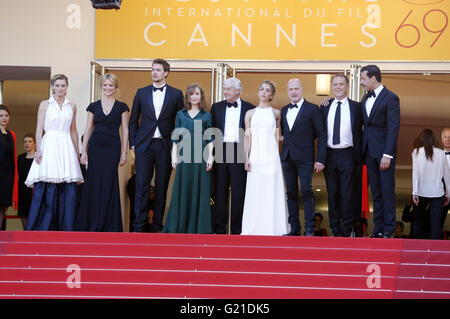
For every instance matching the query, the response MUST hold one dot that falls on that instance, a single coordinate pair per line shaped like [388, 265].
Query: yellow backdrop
[275, 30]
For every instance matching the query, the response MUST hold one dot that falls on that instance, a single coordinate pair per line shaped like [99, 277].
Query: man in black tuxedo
[301, 124]
[381, 117]
[445, 139]
[343, 124]
[228, 116]
[156, 107]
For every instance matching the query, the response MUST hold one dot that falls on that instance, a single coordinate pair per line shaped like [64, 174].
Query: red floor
[128, 265]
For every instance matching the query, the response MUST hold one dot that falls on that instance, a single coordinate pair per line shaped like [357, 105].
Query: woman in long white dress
[56, 168]
[265, 208]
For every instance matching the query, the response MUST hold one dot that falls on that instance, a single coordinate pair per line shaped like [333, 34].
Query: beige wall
[35, 33]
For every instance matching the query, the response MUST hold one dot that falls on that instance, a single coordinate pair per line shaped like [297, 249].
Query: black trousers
[293, 171]
[431, 218]
[339, 177]
[382, 187]
[155, 159]
[229, 172]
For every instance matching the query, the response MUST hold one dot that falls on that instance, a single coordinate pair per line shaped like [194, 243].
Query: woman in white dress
[265, 208]
[56, 168]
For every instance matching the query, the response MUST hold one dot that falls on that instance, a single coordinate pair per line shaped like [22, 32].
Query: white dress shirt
[158, 101]
[232, 119]
[448, 158]
[427, 175]
[291, 114]
[371, 100]
[369, 105]
[346, 134]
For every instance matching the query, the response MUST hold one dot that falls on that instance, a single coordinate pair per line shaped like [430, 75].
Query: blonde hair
[272, 88]
[112, 77]
[57, 77]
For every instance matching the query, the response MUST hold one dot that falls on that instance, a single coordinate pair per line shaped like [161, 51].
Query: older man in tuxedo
[445, 139]
[381, 118]
[343, 124]
[228, 117]
[301, 124]
[152, 121]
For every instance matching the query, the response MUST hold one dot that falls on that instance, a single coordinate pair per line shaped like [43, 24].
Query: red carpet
[128, 265]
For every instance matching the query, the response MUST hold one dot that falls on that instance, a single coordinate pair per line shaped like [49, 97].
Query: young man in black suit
[156, 107]
[343, 125]
[228, 116]
[301, 124]
[381, 118]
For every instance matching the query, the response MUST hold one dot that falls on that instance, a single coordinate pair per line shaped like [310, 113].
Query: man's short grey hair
[444, 130]
[233, 82]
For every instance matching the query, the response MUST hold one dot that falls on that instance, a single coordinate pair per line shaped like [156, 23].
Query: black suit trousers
[155, 159]
[292, 172]
[382, 187]
[228, 174]
[339, 177]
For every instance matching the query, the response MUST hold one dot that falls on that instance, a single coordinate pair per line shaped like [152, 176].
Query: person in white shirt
[430, 168]
[152, 121]
[445, 138]
[343, 124]
[381, 119]
[229, 168]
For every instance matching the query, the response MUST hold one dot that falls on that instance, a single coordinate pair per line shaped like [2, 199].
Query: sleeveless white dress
[59, 162]
[265, 207]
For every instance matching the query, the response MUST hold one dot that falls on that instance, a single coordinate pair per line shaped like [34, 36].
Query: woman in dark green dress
[190, 209]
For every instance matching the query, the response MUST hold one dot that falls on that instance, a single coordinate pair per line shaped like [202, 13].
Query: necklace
[107, 106]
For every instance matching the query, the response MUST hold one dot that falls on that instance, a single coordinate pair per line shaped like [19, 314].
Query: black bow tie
[291, 106]
[371, 93]
[232, 104]
[161, 88]
[447, 153]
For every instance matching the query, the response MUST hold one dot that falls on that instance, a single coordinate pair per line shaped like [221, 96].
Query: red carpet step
[130, 265]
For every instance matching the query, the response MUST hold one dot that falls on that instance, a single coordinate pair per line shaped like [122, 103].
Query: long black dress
[6, 169]
[100, 208]
[25, 192]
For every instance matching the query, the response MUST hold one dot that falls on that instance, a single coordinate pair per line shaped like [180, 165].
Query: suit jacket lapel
[327, 110]
[300, 112]
[166, 100]
[379, 99]
[149, 98]
[223, 114]
[351, 106]
[364, 110]
[242, 116]
[283, 118]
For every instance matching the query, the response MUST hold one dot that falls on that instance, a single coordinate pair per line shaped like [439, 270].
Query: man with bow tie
[228, 117]
[445, 139]
[381, 119]
[156, 107]
[301, 124]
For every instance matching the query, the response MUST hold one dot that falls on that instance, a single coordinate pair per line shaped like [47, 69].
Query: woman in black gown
[24, 162]
[100, 208]
[8, 165]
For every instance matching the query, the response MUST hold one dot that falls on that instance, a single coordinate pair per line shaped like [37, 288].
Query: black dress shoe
[377, 235]
[388, 235]
[155, 229]
[293, 233]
